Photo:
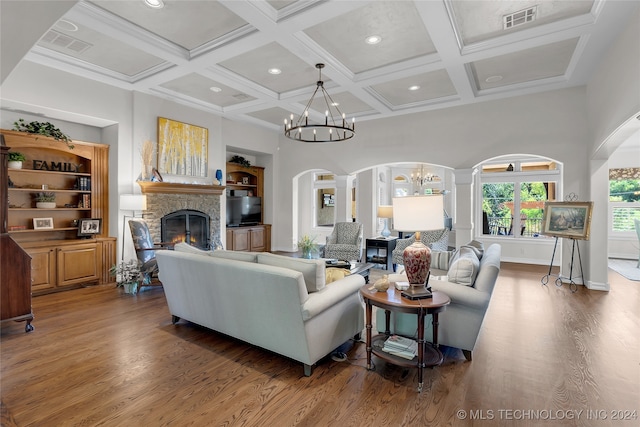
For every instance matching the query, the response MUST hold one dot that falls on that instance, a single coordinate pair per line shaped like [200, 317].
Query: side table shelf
[432, 355]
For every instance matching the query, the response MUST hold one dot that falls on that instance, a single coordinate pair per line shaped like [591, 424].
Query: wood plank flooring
[98, 357]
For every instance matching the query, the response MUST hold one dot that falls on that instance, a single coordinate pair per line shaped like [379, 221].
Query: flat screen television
[243, 210]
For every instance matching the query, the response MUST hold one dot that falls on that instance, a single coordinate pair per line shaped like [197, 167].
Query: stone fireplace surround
[165, 198]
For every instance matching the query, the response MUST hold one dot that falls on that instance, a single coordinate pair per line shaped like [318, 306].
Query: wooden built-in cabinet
[15, 263]
[248, 181]
[256, 238]
[78, 178]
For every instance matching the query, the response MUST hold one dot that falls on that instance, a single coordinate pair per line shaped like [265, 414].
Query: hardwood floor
[101, 358]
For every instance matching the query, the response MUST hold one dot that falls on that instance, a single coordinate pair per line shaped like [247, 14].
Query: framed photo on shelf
[88, 227]
[567, 219]
[42, 223]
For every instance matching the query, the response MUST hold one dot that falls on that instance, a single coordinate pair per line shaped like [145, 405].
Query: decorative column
[464, 206]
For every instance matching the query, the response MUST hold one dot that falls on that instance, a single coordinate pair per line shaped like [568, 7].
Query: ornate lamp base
[417, 261]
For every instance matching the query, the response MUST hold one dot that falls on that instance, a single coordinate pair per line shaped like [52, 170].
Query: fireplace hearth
[186, 225]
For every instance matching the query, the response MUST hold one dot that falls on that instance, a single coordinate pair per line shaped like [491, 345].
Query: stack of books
[401, 347]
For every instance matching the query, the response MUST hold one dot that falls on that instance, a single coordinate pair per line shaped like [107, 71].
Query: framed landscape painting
[182, 148]
[567, 219]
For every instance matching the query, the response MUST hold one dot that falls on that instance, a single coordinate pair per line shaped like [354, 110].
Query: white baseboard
[598, 286]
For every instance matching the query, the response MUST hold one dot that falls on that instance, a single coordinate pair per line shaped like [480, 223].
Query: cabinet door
[258, 239]
[240, 240]
[77, 264]
[43, 268]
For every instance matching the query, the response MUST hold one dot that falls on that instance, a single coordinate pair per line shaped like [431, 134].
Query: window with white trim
[624, 199]
[512, 196]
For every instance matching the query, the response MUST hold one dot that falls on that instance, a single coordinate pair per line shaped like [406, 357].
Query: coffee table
[392, 300]
[361, 268]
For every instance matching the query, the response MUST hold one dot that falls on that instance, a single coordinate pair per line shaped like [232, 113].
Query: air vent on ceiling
[519, 18]
[62, 40]
[241, 96]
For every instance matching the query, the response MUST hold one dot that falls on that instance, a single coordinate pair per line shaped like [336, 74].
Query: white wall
[457, 138]
[613, 102]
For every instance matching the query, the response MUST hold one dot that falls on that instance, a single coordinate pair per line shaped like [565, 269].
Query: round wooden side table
[391, 300]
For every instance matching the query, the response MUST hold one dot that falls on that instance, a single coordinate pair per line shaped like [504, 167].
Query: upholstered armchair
[437, 240]
[345, 242]
[146, 249]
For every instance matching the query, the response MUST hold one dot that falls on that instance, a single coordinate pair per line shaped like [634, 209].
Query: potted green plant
[308, 245]
[42, 128]
[128, 275]
[45, 200]
[16, 159]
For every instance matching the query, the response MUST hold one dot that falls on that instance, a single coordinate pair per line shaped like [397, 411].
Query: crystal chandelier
[335, 127]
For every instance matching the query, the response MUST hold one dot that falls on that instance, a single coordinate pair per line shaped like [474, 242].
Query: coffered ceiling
[221, 56]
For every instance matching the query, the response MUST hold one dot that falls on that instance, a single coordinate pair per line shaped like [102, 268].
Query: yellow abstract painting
[182, 148]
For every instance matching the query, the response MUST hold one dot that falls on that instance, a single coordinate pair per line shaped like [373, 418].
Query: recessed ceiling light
[156, 4]
[65, 25]
[215, 89]
[335, 104]
[493, 79]
[275, 70]
[414, 87]
[373, 39]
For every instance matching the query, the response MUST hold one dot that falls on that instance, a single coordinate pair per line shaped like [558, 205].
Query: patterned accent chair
[437, 240]
[146, 250]
[345, 242]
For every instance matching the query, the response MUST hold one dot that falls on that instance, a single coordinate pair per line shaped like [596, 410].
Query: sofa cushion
[235, 255]
[187, 248]
[464, 267]
[334, 273]
[313, 270]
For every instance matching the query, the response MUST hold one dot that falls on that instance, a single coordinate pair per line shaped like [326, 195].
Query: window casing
[512, 196]
[624, 200]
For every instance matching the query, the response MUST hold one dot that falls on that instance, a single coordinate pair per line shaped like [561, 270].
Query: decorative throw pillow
[464, 267]
[333, 274]
[311, 269]
[478, 248]
[440, 259]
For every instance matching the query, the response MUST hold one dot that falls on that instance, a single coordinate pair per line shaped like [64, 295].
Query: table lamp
[417, 213]
[385, 212]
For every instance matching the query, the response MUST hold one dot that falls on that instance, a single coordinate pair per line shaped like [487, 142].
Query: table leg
[435, 330]
[420, 348]
[368, 327]
[387, 319]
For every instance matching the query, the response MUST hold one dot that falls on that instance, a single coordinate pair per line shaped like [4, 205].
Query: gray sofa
[275, 302]
[460, 323]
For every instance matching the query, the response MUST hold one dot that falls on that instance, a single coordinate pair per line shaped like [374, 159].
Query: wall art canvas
[567, 219]
[182, 148]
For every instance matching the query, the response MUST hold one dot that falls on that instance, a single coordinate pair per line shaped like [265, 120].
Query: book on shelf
[83, 183]
[401, 347]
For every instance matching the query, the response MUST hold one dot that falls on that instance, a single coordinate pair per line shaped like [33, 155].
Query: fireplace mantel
[176, 188]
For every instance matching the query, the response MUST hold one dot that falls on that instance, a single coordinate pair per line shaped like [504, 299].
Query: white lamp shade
[133, 202]
[418, 213]
[385, 211]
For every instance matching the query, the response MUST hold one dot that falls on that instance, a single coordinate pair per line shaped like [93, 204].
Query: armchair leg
[467, 354]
